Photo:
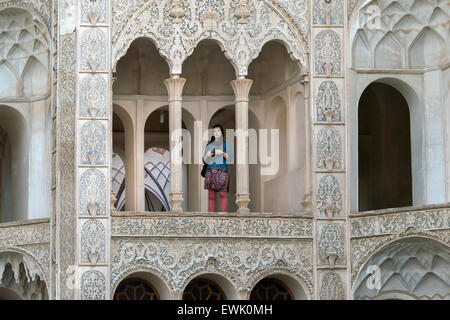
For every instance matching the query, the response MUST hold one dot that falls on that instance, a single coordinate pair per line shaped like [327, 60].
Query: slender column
[174, 87]
[139, 156]
[241, 88]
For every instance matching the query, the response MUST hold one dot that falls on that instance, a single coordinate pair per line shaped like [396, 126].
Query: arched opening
[26, 123]
[384, 149]
[135, 289]
[208, 75]
[157, 163]
[142, 96]
[283, 164]
[8, 294]
[118, 174]
[14, 152]
[123, 161]
[20, 280]
[271, 289]
[141, 285]
[278, 286]
[411, 268]
[203, 289]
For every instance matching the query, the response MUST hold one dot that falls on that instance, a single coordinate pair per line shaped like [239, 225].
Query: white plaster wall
[39, 202]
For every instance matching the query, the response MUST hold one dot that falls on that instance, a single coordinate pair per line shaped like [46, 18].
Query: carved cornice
[392, 222]
[25, 233]
[212, 226]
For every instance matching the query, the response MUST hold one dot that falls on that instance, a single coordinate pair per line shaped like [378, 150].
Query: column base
[242, 200]
[176, 201]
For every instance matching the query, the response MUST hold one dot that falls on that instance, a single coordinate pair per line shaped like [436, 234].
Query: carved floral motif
[329, 149]
[94, 95]
[332, 287]
[92, 193]
[328, 12]
[93, 143]
[328, 60]
[328, 102]
[240, 260]
[329, 197]
[93, 285]
[93, 50]
[331, 245]
[212, 227]
[202, 19]
[93, 242]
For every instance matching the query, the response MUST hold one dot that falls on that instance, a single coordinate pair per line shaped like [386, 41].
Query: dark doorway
[384, 149]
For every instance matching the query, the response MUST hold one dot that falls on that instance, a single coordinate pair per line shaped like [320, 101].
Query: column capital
[241, 88]
[174, 87]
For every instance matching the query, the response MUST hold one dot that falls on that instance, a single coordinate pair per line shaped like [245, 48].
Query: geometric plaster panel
[402, 34]
[414, 267]
[24, 55]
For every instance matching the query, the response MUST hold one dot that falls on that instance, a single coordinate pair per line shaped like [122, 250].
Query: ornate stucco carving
[329, 197]
[389, 223]
[364, 248]
[92, 187]
[332, 287]
[328, 54]
[251, 227]
[40, 9]
[240, 260]
[328, 102]
[93, 242]
[31, 240]
[202, 19]
[93, 143]
[66, 214]
[331, 245]
[20, 273]
[329, 149]
[93, 285]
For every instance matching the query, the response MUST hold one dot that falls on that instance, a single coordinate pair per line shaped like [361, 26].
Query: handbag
[205, 165]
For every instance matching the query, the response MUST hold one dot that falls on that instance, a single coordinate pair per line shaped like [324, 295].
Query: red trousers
[212, 200]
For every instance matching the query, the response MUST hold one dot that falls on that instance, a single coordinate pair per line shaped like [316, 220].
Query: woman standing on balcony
[217, 178]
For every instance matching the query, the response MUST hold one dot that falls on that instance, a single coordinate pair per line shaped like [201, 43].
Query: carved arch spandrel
[242, 41]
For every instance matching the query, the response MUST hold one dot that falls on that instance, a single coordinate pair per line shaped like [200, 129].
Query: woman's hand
[219, 152]
[208, 154]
